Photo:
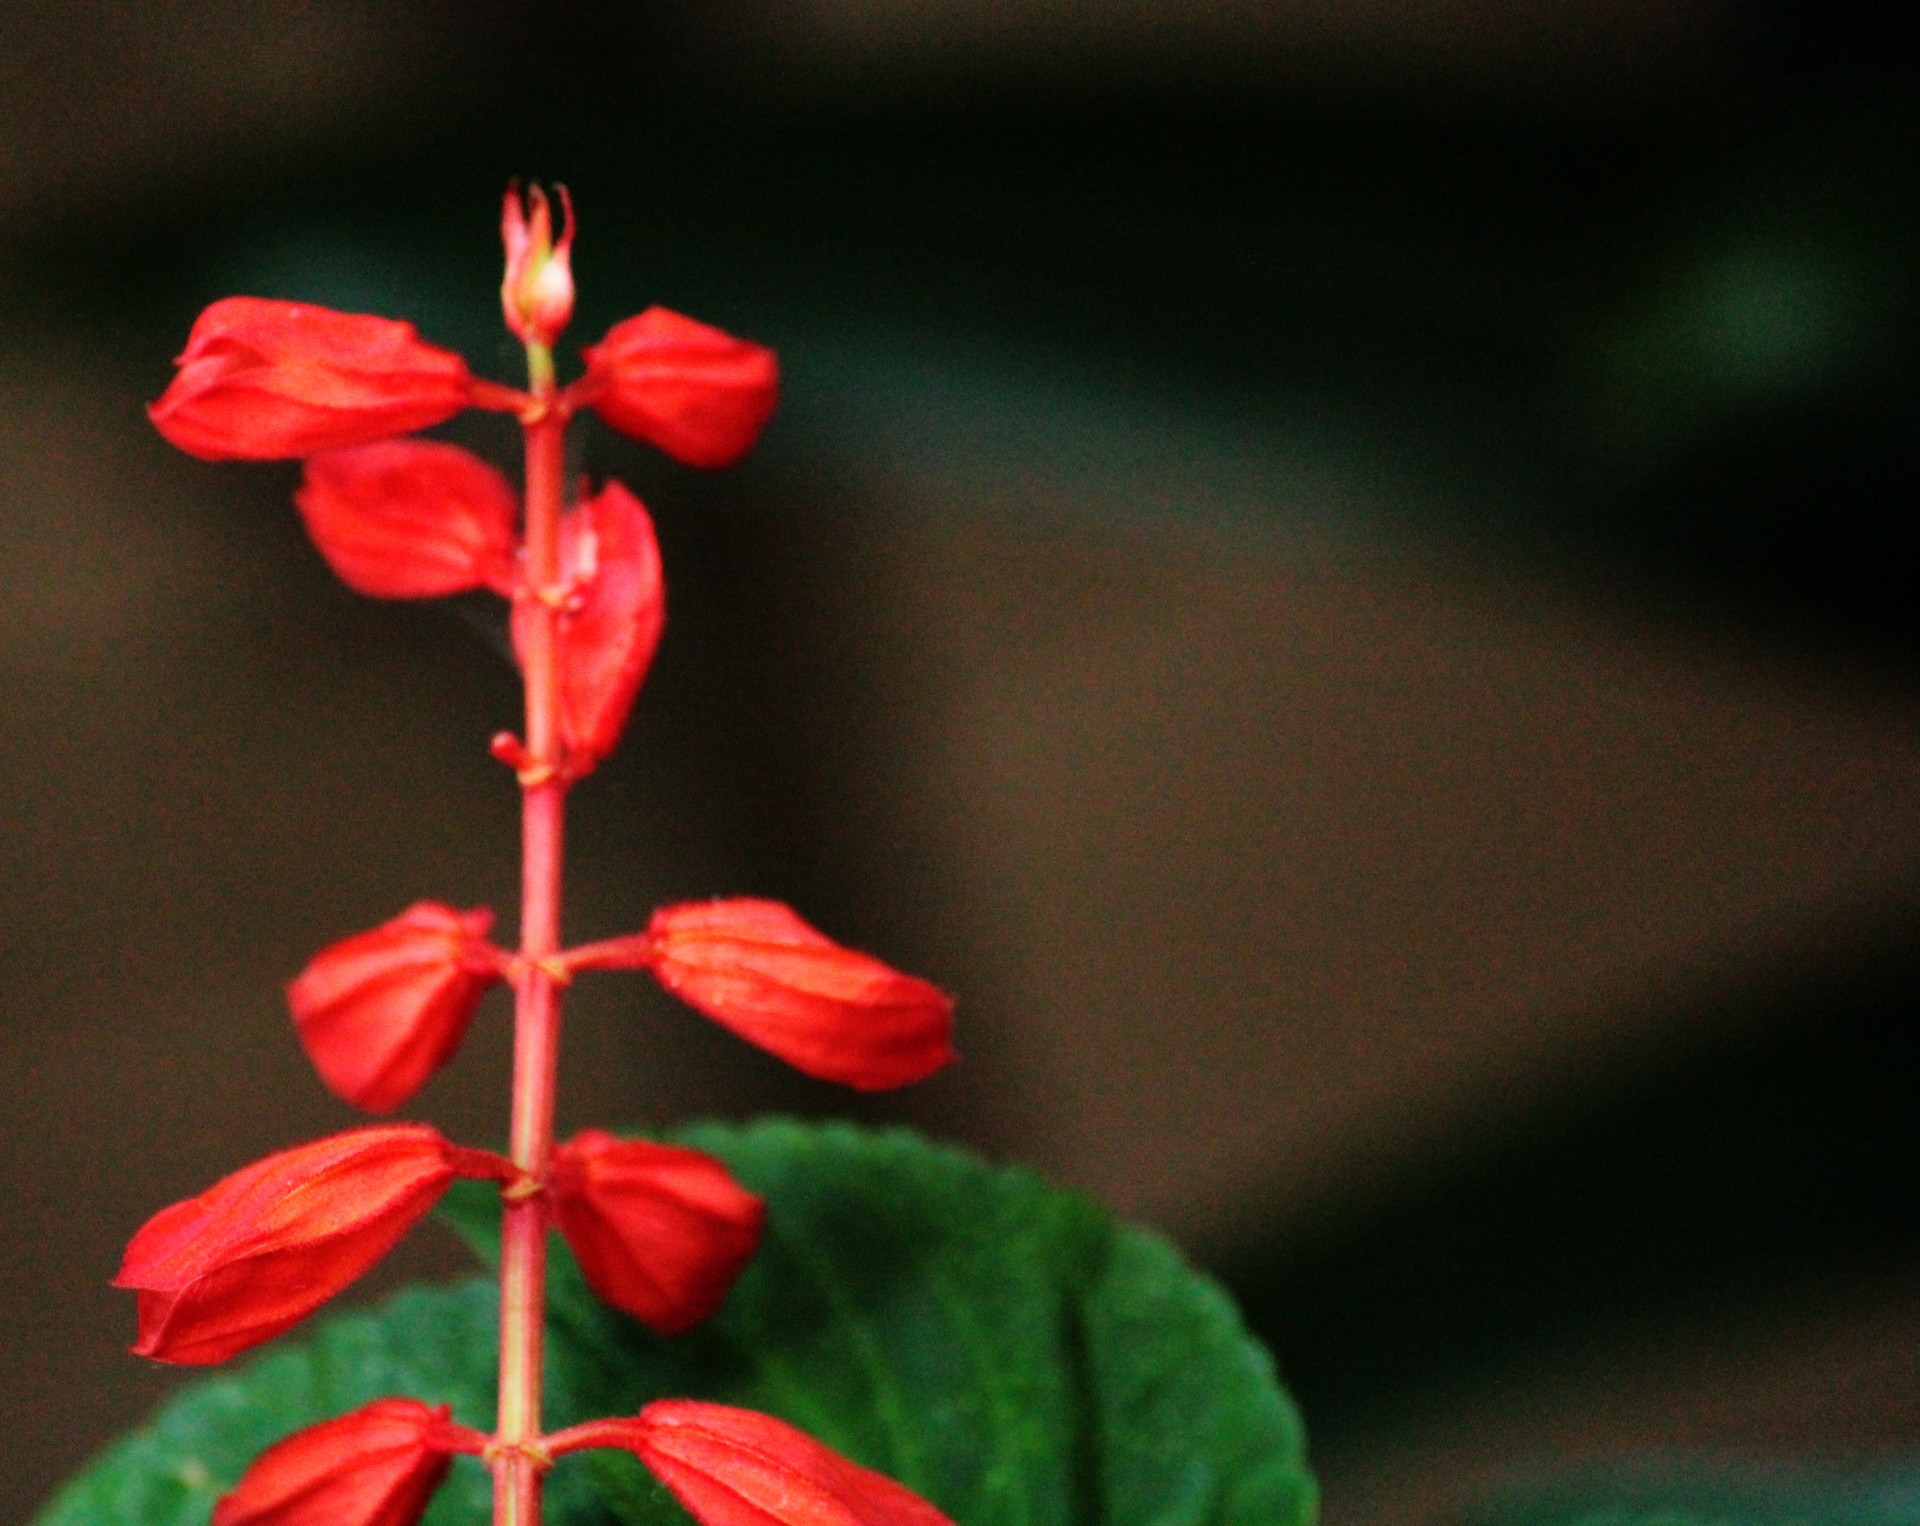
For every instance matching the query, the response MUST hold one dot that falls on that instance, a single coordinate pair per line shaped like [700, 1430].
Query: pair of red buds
[380, 1012]
[659, 1231]
[379, 1465]
[417, 519]
[264, 380]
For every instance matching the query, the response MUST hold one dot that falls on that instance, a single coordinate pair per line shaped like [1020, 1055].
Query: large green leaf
[998, 1344]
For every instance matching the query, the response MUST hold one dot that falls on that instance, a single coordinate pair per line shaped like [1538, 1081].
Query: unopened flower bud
[696, 393]
[263, 1248]
[410, 519]
[609, 611]
[537, 294]
[378, 1466]
[263, 381]
[737, 1467]
[660, 1231]
[380, 1012]
[755, 967]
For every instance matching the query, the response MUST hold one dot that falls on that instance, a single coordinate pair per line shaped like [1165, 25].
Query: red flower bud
[380, 1012]
[734, 1467]
[410, 519]
[611, 606]
[698, 394]
[755, 967]
[660, 1231]
[259, 1251]
[262, 380]
[537, 294]
[375, 1467]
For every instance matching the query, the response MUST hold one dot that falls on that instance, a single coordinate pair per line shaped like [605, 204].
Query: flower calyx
[757, 969]
[380, 1012]
[830, 1012]
[660, 1231]
[685, 387]
[411, 519]
[261, 1249]
[737, 1467]
[264, 380]
[378, 1465]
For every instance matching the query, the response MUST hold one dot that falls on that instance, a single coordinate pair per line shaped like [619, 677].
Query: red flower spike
[411, 519]
[660, 1231]
[537, 294]
[263, 381]
[260, 1250]
[611, 606]
[700, 395]
[755, 967]
[380, 1012]
[377, 1466]
[734, 1467]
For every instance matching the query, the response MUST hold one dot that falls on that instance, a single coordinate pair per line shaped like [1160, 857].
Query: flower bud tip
[536, 295]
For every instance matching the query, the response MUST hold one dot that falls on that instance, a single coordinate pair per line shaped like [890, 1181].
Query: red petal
[699, 394]
[661, 1232]
[410, 519]
[609, 625]
[260, 1250]
[756, 968]
[375, 1467]
[735, 1467]
[262, 380]
[380, 1012]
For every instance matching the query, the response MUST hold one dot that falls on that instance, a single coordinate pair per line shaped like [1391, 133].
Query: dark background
[1338, 572]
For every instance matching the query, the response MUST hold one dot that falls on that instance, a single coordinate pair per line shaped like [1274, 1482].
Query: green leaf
[998, 1344]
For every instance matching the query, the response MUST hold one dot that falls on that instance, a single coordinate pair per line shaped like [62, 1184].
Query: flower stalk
[536, 1014]
[660, 1231]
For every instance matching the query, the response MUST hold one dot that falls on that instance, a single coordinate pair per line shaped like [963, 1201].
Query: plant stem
[523, 1250]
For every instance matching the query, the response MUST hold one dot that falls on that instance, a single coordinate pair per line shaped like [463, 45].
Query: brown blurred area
[1275, 582]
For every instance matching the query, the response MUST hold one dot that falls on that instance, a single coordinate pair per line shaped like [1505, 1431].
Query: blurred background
[1334, 569]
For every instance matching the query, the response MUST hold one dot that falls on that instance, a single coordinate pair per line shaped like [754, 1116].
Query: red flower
[612, 605]
[375, 1467]
[734, 1467]
[755, 967]
[262, 380]
[410, 519]
[262, 1249]
[660, 1231]
[537, 294]
[380, 1012]
[698, 394]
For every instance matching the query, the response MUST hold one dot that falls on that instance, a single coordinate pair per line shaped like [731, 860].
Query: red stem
[517, 1470]
[634, 952]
